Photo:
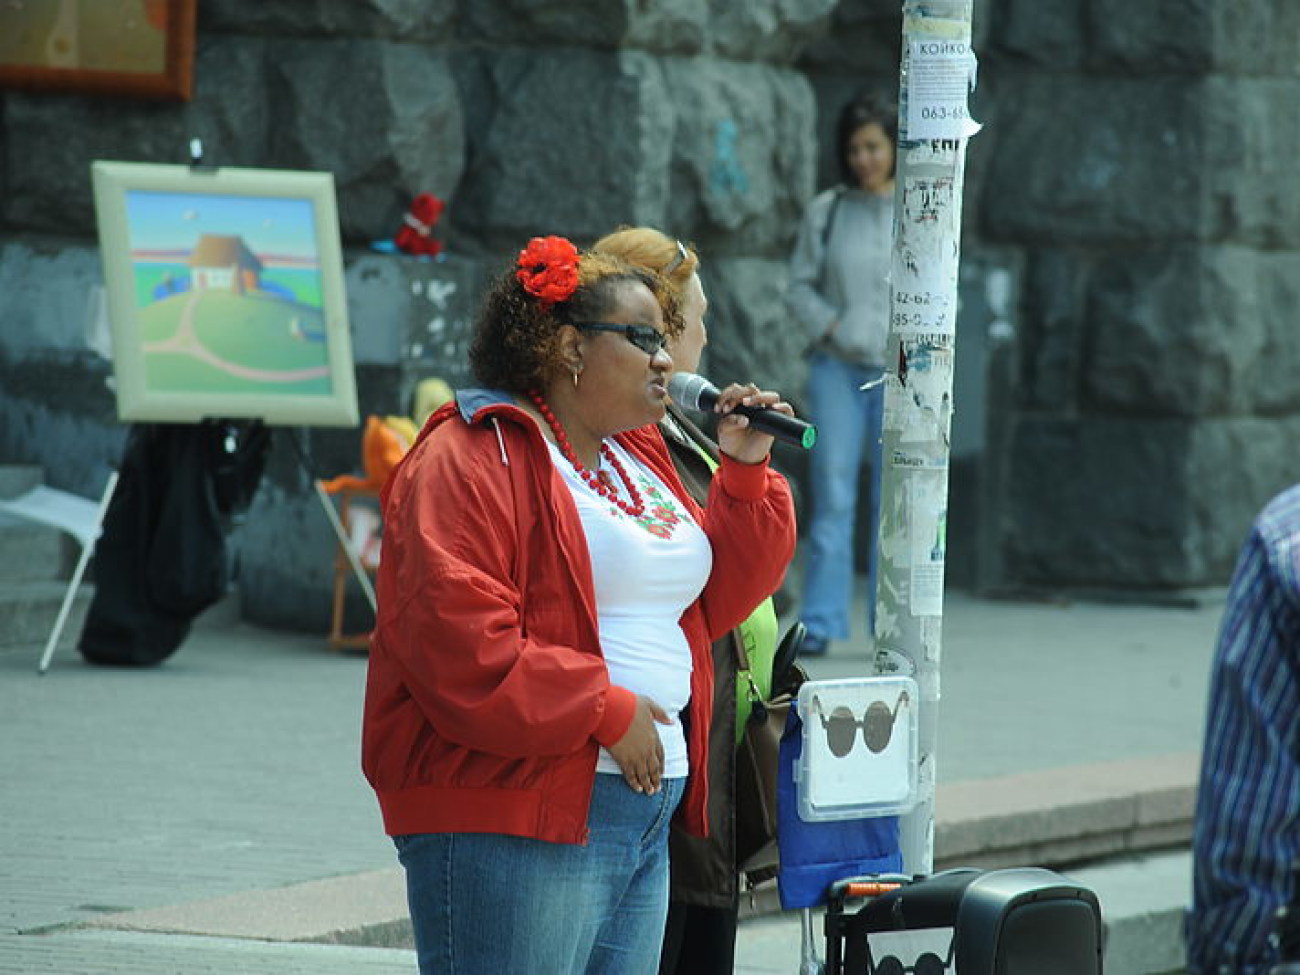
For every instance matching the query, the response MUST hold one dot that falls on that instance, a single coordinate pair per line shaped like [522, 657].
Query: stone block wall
[1138, 165]
[1130, 221]
[527, 117]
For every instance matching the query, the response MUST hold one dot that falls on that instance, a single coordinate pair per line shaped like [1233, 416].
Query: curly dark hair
[516, 343]
[868, 108]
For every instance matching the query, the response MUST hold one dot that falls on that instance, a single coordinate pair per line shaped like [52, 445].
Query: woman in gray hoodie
[839, 293]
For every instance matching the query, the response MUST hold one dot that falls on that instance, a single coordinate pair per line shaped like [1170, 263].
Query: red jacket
[487, 695]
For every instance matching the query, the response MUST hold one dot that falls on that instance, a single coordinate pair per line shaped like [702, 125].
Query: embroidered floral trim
[548, 269]
[662, 514]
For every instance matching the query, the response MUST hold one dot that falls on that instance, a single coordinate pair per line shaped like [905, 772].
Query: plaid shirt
[1248, 807]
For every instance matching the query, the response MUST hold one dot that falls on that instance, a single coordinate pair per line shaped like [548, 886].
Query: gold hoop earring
[575, 378]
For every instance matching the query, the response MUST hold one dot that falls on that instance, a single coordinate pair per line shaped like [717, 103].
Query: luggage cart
[1017, 921]
[837, 841]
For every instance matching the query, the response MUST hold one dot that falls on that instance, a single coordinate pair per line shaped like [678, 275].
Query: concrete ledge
[1109, 812]
[1143, 899]
[28, 610]
[1067, 815]
[30, 552]
[16, 479]
[1055, 818]
[359, 909]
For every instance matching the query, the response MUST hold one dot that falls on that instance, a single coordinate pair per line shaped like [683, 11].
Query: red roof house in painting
[224, 263]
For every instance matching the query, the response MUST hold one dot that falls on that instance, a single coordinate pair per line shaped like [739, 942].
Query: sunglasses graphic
[877, 724]
[927, 964]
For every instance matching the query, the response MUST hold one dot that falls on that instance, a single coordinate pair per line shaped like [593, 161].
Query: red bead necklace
[597, 481]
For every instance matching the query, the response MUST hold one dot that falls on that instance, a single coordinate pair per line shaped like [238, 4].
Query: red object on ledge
[416, 233]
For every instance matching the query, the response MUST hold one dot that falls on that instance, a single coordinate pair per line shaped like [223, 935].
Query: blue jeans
[486, 902]
[849, 420]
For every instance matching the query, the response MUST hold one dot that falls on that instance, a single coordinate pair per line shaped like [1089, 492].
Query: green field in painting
[247, 332]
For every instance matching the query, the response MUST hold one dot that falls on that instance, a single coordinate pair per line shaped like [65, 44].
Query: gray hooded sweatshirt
[843, 276]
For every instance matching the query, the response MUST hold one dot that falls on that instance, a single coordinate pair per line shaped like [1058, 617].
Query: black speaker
[1019, 921]
[1027, 921]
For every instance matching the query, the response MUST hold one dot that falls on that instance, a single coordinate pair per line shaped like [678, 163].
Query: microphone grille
[685, 388]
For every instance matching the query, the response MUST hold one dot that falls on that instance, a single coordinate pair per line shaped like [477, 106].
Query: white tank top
[646, 571]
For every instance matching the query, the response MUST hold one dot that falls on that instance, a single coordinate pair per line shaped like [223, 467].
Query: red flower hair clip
[548, 269]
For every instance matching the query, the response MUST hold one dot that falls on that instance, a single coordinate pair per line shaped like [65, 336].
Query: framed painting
[225, 294]
[143, 48]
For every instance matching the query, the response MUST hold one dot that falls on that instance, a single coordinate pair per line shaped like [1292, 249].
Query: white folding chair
[79, 517]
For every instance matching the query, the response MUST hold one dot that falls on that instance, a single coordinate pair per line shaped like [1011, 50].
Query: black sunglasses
[647, 338]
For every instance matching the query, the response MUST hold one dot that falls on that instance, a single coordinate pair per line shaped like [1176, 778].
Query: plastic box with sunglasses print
[860, 749]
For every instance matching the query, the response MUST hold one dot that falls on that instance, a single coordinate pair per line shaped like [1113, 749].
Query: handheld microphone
[696, 393]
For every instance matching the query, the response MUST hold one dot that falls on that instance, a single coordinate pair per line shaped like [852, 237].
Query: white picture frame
[225, 294]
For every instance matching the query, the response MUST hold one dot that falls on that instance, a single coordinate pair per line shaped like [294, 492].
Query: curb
[365, 909]
[1143, 900]
[1063, 816]
[1055, 818]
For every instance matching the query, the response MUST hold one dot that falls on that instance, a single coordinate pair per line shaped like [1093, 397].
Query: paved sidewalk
[231, 773]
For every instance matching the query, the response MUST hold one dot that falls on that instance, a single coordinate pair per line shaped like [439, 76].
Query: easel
[348, 552]
[350, 555]
[320, 388]
[346, 557]
[337, 638]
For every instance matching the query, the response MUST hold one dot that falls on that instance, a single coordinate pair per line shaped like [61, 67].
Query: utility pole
[938, 72]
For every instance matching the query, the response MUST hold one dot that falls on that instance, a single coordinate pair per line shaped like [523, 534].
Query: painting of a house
[221, 262]
[225, 294]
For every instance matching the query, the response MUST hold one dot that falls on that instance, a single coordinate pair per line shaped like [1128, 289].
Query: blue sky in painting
[175, 221]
